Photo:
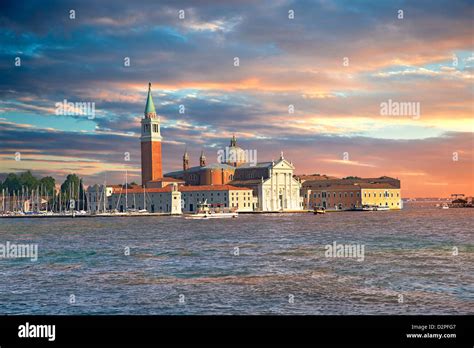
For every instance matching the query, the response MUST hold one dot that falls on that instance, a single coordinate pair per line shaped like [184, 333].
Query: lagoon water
[179, 266]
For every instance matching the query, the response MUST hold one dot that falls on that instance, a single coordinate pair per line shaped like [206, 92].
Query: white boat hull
[200, 216]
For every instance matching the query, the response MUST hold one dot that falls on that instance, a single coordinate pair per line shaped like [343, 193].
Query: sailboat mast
[126, 190]
[105, 189]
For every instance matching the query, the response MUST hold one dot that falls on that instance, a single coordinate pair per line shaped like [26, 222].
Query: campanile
[151, 143]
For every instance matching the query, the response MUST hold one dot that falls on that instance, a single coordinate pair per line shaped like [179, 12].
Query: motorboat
[205, 212]
[368, 208]
[382, 208]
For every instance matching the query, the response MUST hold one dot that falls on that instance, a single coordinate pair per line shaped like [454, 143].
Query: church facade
[273, 184]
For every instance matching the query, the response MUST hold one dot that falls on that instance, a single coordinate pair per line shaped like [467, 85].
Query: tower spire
[150, 111]
[185, 159]
[233, 141]
[202, 159]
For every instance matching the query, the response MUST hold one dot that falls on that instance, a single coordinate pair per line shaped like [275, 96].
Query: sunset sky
[426, 57]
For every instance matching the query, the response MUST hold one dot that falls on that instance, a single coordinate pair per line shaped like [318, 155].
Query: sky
[333, 63]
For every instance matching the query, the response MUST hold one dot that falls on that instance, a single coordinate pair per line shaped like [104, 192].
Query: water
[407, 252]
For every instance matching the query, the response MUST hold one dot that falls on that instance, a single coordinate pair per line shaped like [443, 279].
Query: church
[214, 173]
[273, 185]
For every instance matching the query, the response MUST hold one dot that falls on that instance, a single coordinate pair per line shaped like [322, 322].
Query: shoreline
[168, 214]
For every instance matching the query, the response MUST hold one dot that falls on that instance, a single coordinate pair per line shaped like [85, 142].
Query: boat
[204, 212]
[382, 208]
[319, 210]
[445, 206]
[368, 208]
[137, 212]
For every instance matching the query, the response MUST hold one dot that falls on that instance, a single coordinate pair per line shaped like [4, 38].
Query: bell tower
[185, 160]
[151, 143]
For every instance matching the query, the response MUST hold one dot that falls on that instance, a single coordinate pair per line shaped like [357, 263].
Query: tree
[70, 185]
[12, 182]
[28, 180]
[72, 188]
[48, 184]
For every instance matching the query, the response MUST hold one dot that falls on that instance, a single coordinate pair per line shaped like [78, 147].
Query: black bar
[291, 331]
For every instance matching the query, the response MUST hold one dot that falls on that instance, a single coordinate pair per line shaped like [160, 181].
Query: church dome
[235, 156]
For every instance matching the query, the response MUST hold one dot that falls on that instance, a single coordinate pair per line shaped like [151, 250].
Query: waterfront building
[344, 195]
[273, 185]
[97, 197]
[174, 199]
[317, 180]
[218, 196]
[381, 194]
[165, 200]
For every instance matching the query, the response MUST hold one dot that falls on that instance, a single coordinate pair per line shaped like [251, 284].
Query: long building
[174, 199]
[218, 196]
[352, 193]
[165, 200]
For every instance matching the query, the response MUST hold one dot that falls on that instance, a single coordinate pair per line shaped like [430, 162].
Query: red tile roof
[212, 188]
[148, 190]
[381, 185]
[168, 179]
[169, 188]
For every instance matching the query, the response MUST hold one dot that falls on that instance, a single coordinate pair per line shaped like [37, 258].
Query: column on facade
[271, 189]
